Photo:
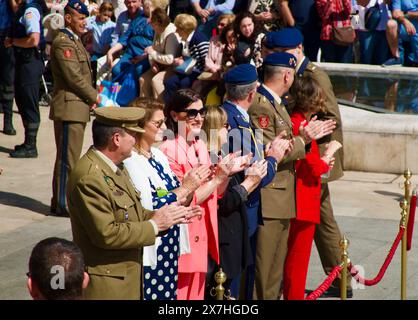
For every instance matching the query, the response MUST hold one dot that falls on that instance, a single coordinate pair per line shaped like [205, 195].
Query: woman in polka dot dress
[158, 185]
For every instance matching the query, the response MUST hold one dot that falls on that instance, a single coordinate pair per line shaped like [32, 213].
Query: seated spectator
[374, 47]
[209, 11]
[165, 48]
[266, 13]
[192, 61]
[138, 36]
[334, 13]
[124, 19]
[406, 13]
[213, 61]
[56, 271]
[101, 27]
[250, 35]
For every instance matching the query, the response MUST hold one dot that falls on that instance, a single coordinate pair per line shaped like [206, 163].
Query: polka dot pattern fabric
[160, 281]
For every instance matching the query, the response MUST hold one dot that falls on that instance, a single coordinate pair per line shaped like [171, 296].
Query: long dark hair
[257, 28]
[179, 101]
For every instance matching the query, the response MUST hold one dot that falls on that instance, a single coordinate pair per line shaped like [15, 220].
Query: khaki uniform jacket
[332, 112]
[108, 224]
[277, 198]
[72, 74]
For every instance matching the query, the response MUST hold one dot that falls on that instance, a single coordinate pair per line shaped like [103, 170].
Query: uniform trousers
[69, 142]
[270, 258]
[191, 286]
[327, 235]
[6, 81]
[151, 85]
[297, 261]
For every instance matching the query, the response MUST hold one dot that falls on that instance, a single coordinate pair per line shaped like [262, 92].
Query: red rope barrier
[355, 273]
[411, 221]
[325, 285]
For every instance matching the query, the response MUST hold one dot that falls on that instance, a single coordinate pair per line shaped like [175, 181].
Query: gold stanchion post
[404, 205]
[220, 278]
[344, 243]
[407, 175]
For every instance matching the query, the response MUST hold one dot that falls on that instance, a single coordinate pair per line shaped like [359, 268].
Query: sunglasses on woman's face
[158, 123]
[192, 113]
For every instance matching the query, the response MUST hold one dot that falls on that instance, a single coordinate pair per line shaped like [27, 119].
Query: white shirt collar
[299, 64]
[106, 159]
[72, 32]
[275, 96]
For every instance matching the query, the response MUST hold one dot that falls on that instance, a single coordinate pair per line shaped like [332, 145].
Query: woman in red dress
[309, 100]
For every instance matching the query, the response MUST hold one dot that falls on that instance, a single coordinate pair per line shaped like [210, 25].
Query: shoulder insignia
[263, 121]
[67, 53]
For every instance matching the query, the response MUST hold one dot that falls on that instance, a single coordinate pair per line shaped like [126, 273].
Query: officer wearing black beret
[327, 234]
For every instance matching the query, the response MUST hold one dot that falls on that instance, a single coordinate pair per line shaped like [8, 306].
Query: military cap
[241, 74]
[78, 6]
[126, 118]
[281, 59]
[285, 38]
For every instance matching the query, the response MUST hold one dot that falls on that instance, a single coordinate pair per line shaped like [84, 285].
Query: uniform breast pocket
[124, 206]
[279, 182]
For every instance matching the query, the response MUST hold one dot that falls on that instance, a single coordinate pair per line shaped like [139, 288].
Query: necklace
[146, 154]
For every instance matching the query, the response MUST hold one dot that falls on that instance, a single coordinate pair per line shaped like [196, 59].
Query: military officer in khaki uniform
[74, 97]
[108, 222]
[327, 234]
[278, 198]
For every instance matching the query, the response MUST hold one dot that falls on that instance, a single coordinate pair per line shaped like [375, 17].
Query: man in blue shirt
[26, 40]
[124, 19]
[406, 13]
[6, 69]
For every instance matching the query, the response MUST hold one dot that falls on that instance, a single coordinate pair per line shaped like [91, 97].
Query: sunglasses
[158, 123]
[192, 113]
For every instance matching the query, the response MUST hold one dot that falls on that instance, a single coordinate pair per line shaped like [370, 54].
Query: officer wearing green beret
[278, 198]
[74, 97]
[108, 222]
[327, 233]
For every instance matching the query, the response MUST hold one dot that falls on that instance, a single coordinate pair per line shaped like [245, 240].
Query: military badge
[67, 53]
[109, 182]
[263, 121]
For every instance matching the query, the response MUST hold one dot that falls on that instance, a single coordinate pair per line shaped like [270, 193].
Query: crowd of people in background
[241, 69]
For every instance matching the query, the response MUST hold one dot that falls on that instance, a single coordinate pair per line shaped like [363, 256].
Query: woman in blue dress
[152, 177]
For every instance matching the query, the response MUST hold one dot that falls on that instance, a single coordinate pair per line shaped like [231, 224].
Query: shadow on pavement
[394, 195]
[17, 200]
[5, 150]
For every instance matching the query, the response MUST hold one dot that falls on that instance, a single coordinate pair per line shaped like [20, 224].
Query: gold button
[273, 185]
[196, 239]
[107, 271]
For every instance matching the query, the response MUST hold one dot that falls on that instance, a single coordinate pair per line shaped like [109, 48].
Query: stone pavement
[366, 206]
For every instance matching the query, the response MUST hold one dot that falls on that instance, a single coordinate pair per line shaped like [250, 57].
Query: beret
[78, 6]
[285, 38]
[280, 59]
[241, 74]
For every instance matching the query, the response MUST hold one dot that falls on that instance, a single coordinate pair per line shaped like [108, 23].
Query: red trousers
[300, 240]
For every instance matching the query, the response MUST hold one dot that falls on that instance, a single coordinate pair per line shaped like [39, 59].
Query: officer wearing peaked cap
[108, 221]
[327, 234]
[74, 97]
[278, 202]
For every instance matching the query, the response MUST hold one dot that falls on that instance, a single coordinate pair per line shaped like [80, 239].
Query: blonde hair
[163, 4]
[185, 22]
[215, 119]
[227, 16]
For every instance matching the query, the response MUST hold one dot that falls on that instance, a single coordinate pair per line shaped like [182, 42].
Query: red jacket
[308, 178]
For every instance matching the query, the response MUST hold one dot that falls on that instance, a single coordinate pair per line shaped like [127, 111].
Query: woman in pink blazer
[184, 151]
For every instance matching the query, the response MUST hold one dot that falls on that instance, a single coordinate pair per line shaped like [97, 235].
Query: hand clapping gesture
[316, 129]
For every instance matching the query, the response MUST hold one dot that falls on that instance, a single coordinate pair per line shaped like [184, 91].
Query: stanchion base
[333, 292]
